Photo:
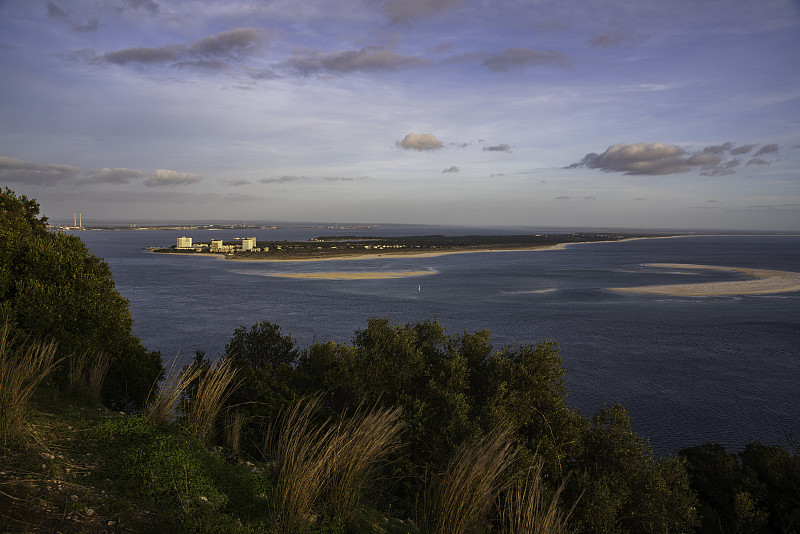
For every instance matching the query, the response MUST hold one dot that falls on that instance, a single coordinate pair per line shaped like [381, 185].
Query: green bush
[52, 287]
[169, 470]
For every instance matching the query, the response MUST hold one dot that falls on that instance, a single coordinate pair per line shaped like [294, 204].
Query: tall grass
[358, 444]
[460, 501]
[22, 369]
[297, 449]
[214, 387]
[86, 374]
[323, 467]
[234, 422]
[524, 508]
[162, 401]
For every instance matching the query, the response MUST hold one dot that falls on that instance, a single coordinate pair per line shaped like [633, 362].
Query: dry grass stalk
[234, 421]
[461, 499]
[86, 375]
[22, 368]
[356, 446]
[97, 373]
[162, 402]
[524, 509]
[213, 389]
[297, 450]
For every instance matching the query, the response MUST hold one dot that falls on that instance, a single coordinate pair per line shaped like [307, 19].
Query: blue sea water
[689, 369]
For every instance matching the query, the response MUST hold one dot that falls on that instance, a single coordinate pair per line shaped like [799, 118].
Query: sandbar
[763, 282]
[374, 275]
[405, 254]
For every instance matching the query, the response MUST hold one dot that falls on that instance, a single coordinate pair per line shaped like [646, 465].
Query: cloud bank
[519, 58]
[212, 51]
[368, 59]
[658, 159]
[165, 178]
[15, 170]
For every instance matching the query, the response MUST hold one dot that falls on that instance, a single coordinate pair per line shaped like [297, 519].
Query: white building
[216, 245]
[184, 242]
[248, 243]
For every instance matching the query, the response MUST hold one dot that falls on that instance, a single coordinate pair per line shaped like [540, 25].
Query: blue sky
[667, 114]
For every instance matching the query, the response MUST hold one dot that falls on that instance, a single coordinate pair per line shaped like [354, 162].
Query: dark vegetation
[407, 429]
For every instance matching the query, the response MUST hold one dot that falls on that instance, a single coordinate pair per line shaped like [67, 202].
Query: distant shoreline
[407, 253]
[764, 282]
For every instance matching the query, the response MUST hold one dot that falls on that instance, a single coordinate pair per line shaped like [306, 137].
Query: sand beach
[763, 282]
[371, 275]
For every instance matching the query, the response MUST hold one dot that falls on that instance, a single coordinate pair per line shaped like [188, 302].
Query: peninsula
[356, 247]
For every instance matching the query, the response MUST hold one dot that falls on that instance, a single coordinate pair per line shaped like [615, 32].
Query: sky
[590, 113]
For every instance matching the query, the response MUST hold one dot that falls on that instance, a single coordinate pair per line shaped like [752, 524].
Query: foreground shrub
[525, 509]
[214, 387]
[358, 444]
[459, 501]
[162, 401]
[52, 287]
[86, 374]
[190, 488]
[22, 369]
[322, 468]
[298, 451]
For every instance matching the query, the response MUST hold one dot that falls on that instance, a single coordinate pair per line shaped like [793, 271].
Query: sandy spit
[375, 275]
[764, 282]
[407, 254]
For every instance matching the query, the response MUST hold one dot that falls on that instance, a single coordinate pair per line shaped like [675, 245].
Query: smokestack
[74, 219]
[80, 220]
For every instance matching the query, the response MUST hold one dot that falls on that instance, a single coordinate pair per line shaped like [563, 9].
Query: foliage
[22, 368]
[624, 488]
[263, 359]
[52, 287]
[757, 490]
[262, 347]
[453, 388]
[168, 469]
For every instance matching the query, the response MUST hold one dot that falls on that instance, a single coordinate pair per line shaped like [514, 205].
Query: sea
[689, 370]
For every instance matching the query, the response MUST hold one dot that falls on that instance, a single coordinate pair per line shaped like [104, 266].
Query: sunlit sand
[374, 275]
[764, 282]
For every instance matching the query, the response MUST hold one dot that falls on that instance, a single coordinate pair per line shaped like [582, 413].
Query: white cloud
[657, 159]
[417, 141]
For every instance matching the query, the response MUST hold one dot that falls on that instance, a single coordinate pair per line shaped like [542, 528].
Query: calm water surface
[689, 369]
